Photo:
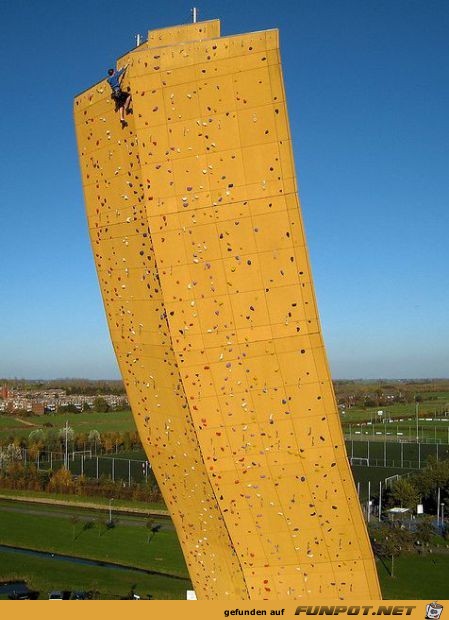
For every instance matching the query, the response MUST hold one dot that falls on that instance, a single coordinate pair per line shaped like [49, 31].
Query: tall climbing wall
[200, 252]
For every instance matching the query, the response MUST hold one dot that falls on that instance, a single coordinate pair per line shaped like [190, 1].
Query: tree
[153, 528]
[94, 439]
[69, 408]
[100, 405]
[75, 520]
[389, 541]
[61, 481]
[425, 530]
[108, 442]
[435, 476]
[10, 454]
[404, 493]
[80, 441]
[37, 436]
[36, 441]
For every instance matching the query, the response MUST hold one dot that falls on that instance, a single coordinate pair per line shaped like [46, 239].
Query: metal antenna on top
[195, 14]
[138, 39]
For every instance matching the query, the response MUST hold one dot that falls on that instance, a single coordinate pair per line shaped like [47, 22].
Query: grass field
[125, 544]
[436, 405]
[45, 575]
[145, 507]
[416, 577]
[395, 454]
[428, 430]
[62, 530]
[112, 421]
[10, 423]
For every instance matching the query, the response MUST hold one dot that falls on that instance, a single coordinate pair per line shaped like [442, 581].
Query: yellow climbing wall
[199, 246]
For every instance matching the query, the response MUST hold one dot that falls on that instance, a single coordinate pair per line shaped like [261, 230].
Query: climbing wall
[199, 246]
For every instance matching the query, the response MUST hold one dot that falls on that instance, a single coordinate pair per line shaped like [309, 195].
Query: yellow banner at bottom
[217, 610]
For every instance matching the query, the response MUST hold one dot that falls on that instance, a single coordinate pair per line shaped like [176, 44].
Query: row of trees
[99, 405]
[86, 387]
[380, 398]
[382, 393]
[53, 440]
[17, 475]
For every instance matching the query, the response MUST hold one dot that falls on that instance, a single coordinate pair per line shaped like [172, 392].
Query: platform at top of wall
[185, 32]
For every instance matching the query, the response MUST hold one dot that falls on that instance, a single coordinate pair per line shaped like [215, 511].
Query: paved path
[26, 422]
[152, 512]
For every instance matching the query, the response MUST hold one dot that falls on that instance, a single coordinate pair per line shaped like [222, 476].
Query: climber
[122, 98]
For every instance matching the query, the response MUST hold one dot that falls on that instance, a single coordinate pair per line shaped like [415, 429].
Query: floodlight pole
[380, 500]
[417, 421]
[66, 456]
[438, 506]
[369, 501]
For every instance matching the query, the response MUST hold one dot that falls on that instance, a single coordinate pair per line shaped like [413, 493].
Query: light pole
[442, 515]
[438, 506]
[417, 421]
[66, 453]
[380, 500]
[110, 509]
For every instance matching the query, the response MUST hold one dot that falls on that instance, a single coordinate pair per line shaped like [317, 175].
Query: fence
[84, 463]
[361, 453]
[398, 455]
[428, 432]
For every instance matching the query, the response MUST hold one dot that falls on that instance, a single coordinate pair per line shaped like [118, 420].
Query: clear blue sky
[368, 94]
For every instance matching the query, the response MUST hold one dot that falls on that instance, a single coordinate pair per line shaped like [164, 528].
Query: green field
[416, 577]
[10, 423]
[395, 454]
[126, 544]
[112, 421]
[63, 530]
[427, 431]
[435, 405]
[46, 575]
[143, 507]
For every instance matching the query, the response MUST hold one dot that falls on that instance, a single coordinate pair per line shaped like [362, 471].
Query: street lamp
[110, 509]
[442, 515]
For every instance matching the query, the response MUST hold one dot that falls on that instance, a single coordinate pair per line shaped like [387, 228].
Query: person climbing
[122, 98]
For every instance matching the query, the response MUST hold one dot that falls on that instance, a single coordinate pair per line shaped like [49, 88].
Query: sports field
[394, 453]
[403, 429]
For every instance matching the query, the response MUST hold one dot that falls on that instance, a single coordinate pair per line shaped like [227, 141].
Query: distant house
[38, 408]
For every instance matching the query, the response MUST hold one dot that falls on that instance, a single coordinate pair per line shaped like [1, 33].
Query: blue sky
[368, 96]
